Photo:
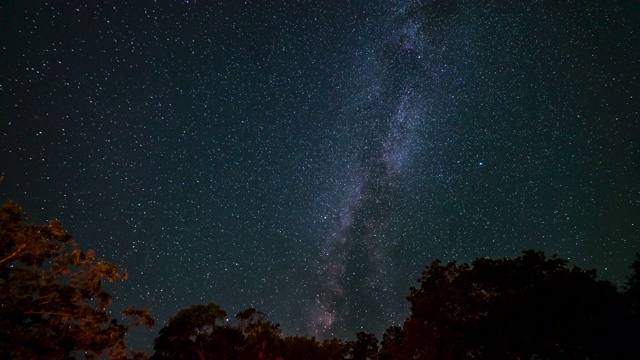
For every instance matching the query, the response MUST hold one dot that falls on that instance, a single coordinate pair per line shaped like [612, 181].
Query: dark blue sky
[309, 159]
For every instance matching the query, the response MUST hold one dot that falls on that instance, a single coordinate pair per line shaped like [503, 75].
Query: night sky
[310, 158]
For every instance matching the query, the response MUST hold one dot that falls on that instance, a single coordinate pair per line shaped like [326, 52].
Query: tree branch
[14, 253]
[64, 315]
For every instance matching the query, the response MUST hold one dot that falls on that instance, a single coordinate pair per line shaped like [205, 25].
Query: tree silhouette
[198, 333]
[364, 348]
[333, 349]
[391, 343]
[530, 306]
[262, 337]
[632, 297]
[52, 296]
[53, 305]
[523, 308]
[632, 291]
[302, 347]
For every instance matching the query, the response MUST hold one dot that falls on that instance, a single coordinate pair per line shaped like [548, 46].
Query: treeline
[53, 306]
[530, 307]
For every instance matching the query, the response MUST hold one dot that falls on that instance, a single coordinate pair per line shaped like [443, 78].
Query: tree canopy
[530, 306]
[52, 299]
[632, 290]
[53, 306]
[197, 333]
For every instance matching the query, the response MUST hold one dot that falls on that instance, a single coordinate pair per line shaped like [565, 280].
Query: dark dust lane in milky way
[381, 130]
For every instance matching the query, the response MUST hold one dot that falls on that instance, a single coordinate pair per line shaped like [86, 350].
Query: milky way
[309, 158]
[382, 128]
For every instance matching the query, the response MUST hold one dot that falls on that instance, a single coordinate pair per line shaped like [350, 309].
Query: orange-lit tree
[52, 299]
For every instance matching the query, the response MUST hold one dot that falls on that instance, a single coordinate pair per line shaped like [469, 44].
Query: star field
[309, 159]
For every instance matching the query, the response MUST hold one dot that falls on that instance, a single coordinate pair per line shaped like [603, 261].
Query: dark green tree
[391, 343]
[530, 306]
[632, 289]
[198, 333]
[302, 347]
[262, 337]
[52, 299]
[632, 297]
[439, 309]
[365, 347]
[333, 349]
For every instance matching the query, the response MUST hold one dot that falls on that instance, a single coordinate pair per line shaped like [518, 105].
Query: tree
[333, 349]
[52, 300]
[262, 337]
[523, 308]
[302, 347]
[391, 343]
[440, 310]
[198, 333]
[632, 290]
[530, 306]
[632, 298]
[364, 348]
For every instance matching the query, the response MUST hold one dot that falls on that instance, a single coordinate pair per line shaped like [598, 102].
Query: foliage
[302, 347]
[197, 333]
[391, 342]
[309, 348]
[52, 300]
[200, 333]
[262, 338]
[530, 306]
[632, 291]
[53, 306]
[523, 308]
[333, 349]
[364, 348]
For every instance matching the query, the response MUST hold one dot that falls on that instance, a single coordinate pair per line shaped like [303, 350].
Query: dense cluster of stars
[309, 159]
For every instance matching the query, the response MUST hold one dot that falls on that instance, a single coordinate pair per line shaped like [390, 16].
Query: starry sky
[309, 158]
